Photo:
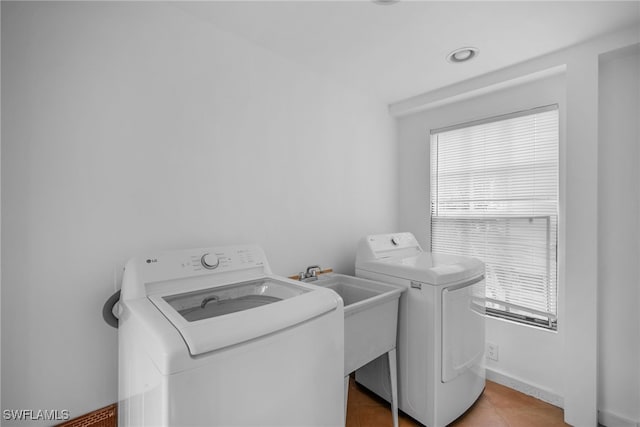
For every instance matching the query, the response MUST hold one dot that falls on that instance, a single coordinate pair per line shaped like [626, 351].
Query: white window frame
[503, 308]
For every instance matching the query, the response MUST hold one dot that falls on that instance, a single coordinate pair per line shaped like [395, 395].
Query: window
[494, 196]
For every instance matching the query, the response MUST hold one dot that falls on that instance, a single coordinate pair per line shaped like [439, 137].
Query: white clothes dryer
[211, 337]
[441, 331]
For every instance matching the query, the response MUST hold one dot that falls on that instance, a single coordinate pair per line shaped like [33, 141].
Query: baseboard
[526, 388]
[609, 419]
[605, 418]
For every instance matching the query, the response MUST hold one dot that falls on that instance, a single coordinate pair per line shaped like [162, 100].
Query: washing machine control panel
[195, 262]
[210, 261]
[155, 273]
[223, 259]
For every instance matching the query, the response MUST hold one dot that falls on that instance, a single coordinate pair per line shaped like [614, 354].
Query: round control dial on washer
[395, 241]
[210, 261]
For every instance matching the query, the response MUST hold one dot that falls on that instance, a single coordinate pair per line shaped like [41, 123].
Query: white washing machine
[210, 337]
[441, 327]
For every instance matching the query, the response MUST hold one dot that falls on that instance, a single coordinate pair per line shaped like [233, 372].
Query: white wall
[619, 237]
[527, 354]
[131, 127]
[0, 212]
[577, 353]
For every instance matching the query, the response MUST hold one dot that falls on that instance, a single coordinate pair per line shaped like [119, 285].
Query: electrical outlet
[492, 351]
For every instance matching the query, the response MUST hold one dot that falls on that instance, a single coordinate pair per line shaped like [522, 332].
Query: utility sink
[370, 317]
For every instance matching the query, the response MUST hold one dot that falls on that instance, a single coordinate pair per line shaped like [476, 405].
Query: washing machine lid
[220, 316]
[428, 267]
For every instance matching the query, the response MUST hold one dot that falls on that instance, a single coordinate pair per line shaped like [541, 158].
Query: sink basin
[370, 317]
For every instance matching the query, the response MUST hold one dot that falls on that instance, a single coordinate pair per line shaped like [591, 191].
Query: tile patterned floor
[498, 406]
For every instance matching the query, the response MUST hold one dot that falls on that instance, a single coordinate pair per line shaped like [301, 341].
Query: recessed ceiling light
[463, 54]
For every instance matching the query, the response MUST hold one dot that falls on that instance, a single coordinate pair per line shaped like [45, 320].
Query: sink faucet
[311, 274]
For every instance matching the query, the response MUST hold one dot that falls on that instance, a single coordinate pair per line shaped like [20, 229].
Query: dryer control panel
[387, 245]
[394, 241]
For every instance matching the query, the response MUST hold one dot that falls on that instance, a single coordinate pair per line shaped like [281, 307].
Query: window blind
[494, 196]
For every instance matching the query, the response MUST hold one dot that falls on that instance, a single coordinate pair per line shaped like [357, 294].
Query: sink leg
[346, 398]
[393, 376]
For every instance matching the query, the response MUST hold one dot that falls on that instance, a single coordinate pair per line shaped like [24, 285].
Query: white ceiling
[398, 51]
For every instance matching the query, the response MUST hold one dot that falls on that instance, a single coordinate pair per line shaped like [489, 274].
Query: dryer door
[463, 328]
